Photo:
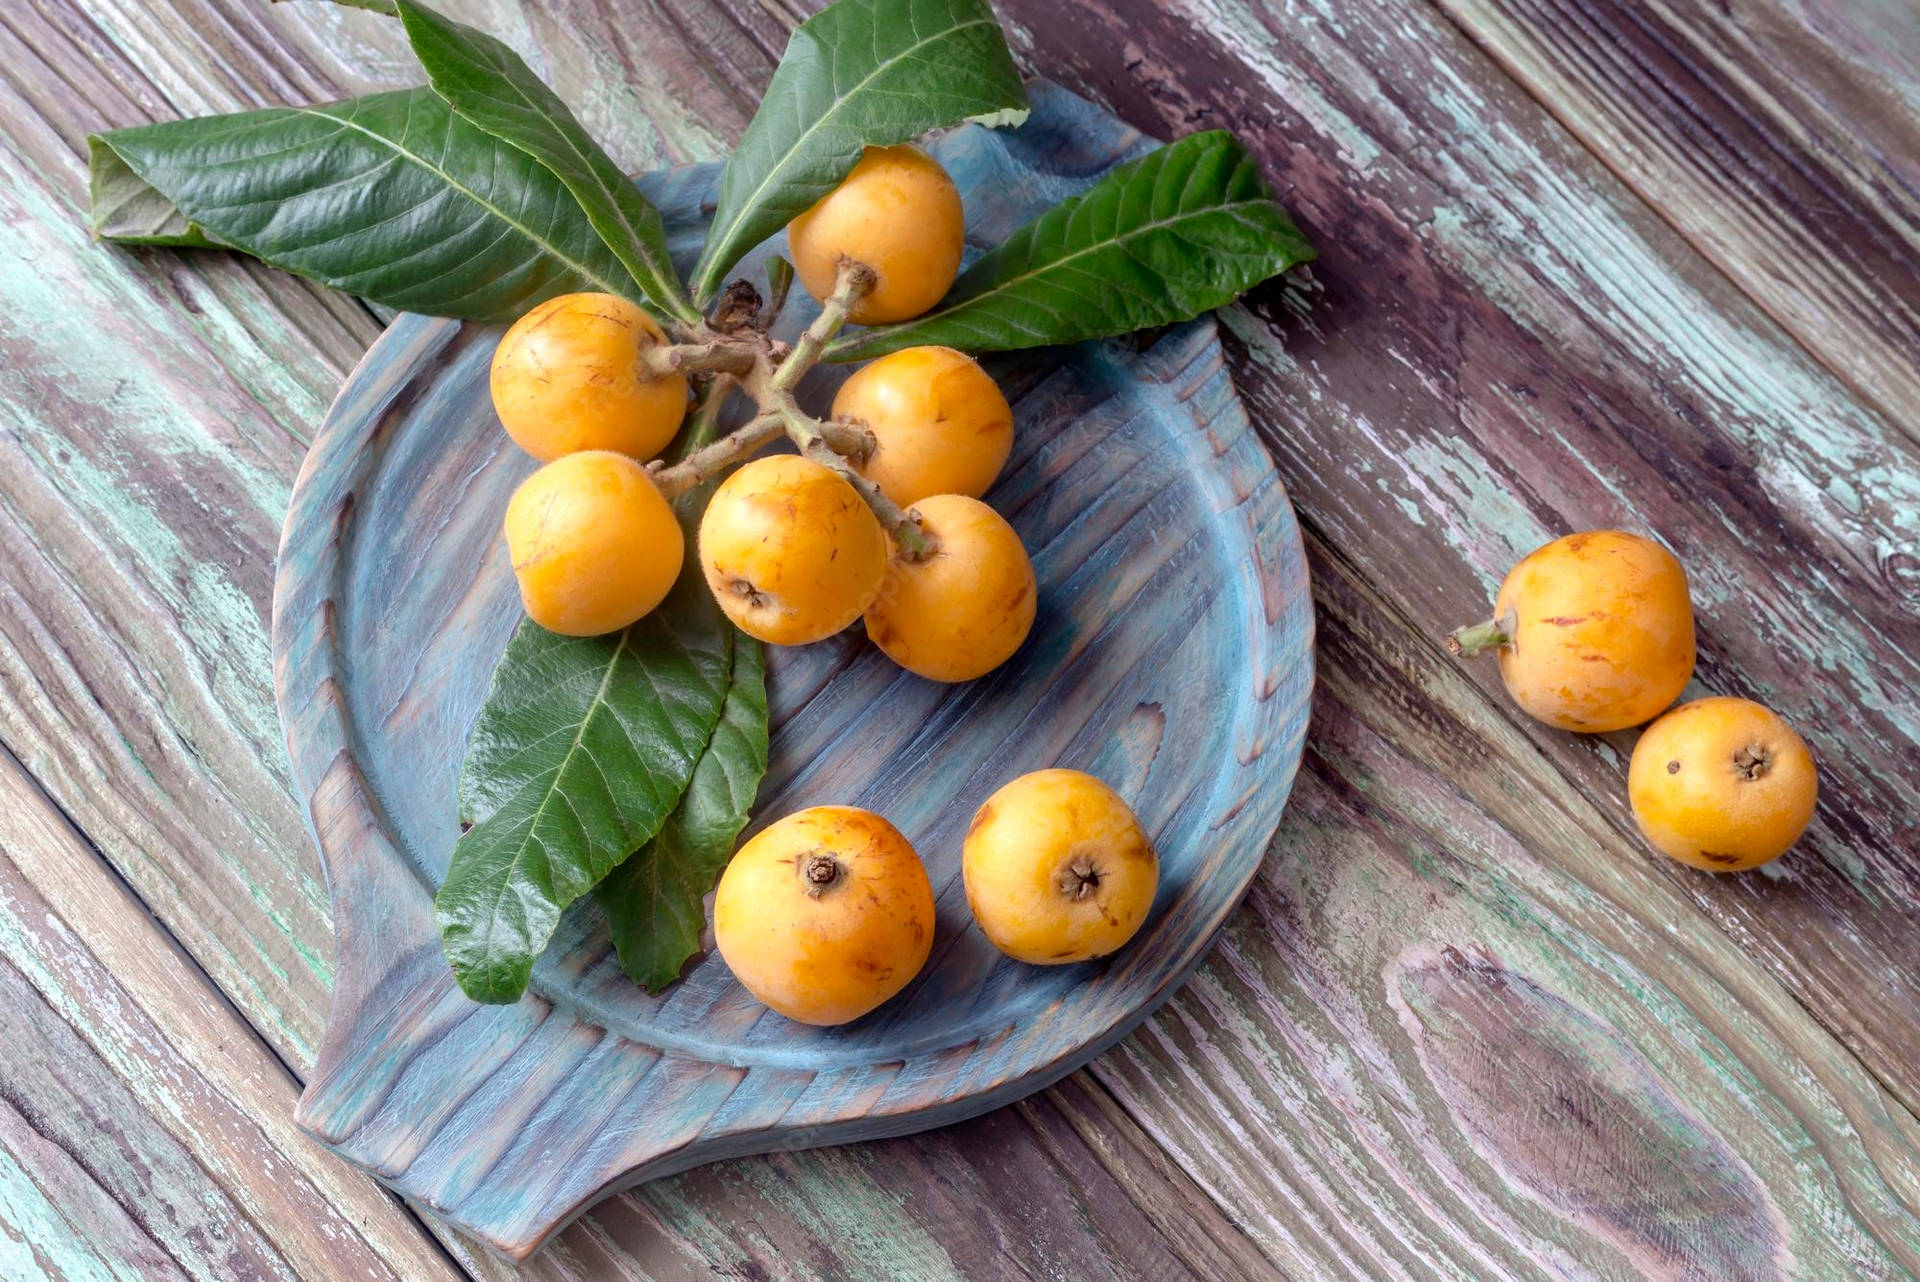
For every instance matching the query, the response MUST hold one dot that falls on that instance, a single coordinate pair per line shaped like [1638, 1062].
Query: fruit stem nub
[1478, 638]
[820, 871]
[1753, 761]
[1079, 879]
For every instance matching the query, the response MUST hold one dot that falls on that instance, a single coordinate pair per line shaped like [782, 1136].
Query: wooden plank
[118, 1195]
[149, 439]
[1025, 1196]
[1510, 346]
[1725, 121]
[122, 1057]
[1463, 1027]
[55, 1220]
[1428, 246]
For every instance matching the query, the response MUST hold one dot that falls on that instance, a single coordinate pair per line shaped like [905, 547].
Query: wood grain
[124, 1060]
[1511, 345]
[1557, 358]
[1723, 120]
[1462, 1027]
[138, 558]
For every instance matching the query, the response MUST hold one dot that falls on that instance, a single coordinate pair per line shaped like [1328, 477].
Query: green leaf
[655, 900]
[1164, 238]
[392, 197]
[489, 85]
[858, 73]
[127, 209]
[582, 749]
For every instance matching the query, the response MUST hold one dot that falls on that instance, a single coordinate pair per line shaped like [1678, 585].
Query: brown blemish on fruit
[1719, 857]
[1566, 620]
[1673, 767]
[981, 818]
[744, 589]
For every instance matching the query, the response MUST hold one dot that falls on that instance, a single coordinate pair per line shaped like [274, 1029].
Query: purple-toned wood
[1172, 656]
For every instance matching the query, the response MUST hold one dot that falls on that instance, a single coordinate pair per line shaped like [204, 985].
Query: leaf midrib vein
[959, 309]
[639, 246]
[474, 196]
[753, 198]
[552, 789]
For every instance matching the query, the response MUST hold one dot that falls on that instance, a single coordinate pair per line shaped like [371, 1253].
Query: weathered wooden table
[1585, 263]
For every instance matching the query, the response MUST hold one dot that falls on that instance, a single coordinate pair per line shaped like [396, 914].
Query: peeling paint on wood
[1512, 344]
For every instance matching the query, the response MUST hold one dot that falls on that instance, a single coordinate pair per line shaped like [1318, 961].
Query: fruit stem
[853, 441]
[716, 457]
[819, 871]
[771, 386]
[1480, 637]
[849, 283]
[914, 540]
[703, 424]
[721, 356]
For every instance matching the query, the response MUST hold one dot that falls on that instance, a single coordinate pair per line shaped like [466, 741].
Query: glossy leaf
[490, 86]
[655, 901]
[1162, 239]
[580, 752]
[858, 73]
[392, 197]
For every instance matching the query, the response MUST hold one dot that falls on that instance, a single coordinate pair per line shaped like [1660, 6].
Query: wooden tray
[1172, 656]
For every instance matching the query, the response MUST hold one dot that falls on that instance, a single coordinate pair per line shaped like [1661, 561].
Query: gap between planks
[134, 912]
[1891, 383]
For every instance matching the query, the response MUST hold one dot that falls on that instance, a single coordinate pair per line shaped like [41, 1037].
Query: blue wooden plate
[1172, 656]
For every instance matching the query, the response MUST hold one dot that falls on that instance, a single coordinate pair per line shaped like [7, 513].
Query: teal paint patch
[37, 1241]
